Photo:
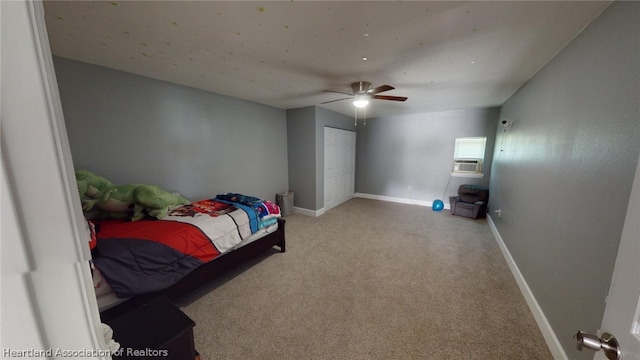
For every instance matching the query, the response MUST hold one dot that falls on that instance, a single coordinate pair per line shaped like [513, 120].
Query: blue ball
[437, 205]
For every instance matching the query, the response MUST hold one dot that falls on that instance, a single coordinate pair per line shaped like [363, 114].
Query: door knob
[607, 343]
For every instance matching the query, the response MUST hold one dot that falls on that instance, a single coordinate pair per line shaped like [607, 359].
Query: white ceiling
[441, 55]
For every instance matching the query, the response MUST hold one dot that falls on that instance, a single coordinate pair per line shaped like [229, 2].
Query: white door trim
[47, 260]
[623, 301]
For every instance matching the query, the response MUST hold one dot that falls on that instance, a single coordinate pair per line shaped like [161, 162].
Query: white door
[339, 166]
[622, 313]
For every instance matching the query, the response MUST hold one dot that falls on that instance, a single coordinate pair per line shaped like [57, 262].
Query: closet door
[339, 166]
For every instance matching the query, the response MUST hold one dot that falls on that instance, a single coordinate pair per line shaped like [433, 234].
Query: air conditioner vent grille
[467, 166]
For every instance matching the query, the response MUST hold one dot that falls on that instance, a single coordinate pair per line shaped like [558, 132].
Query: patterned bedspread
[150, 255]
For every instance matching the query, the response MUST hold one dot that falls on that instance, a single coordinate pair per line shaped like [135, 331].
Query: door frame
[47, 260]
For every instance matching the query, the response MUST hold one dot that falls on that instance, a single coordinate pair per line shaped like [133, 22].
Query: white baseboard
[303, 211]
[398, 200]
[547, 332]
[316, 213]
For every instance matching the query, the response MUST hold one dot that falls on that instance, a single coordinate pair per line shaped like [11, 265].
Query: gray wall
[301, 142]
[565, 173]
[133, 129]
[416, 150]
[305, 143]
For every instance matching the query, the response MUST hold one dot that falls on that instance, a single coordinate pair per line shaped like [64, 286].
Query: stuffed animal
[133, 202]
[91, 188]
[154, 201]
[118, 202]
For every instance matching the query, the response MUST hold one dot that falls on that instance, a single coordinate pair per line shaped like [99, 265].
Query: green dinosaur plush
[82, 188]
[118, 201]
[154, 201]
[91, 188]
[124, 201]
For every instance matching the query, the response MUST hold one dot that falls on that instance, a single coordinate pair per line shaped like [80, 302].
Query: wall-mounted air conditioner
[468, 166]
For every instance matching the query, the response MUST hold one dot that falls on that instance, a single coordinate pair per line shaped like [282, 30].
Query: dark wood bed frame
[205, 273]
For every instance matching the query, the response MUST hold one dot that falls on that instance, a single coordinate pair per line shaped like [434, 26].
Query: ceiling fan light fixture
[360, 101]
[362, 93]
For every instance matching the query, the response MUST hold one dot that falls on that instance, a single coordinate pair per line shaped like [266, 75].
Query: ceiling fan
[362, 93]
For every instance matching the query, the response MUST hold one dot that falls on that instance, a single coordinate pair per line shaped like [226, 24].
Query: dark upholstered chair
[471, 202]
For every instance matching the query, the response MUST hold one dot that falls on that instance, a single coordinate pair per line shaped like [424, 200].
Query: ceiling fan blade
[337, 92]
[380, 89]
[393, 98]
[330, 101]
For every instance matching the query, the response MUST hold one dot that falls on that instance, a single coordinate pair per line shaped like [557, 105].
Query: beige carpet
[371, 280]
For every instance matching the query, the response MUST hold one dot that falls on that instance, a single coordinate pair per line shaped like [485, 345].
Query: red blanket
[185, 238]
[150, 255]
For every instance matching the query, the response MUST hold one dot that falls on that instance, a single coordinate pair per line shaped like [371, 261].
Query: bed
[134, 262]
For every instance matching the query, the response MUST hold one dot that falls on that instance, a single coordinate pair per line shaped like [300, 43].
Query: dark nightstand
[154, 330]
